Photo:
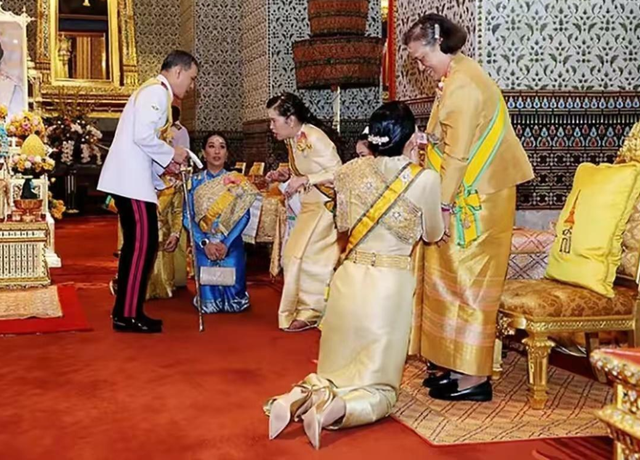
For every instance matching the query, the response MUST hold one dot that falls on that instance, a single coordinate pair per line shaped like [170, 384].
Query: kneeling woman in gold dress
[385, 204]
[311, 251]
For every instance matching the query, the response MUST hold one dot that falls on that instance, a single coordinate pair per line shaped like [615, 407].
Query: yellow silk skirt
[364, 342]
[308, 261]
[462, 289]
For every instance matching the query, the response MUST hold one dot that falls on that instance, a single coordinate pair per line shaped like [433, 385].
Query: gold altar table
[22, 255]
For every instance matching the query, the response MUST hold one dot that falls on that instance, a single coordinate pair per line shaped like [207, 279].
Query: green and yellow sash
[370, 219]
[326, 191]
[467, 202]
[165, 132]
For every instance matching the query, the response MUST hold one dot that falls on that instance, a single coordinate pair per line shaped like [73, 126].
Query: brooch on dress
[302, 143]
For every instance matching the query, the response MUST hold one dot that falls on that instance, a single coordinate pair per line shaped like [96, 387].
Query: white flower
[27, 164]
[15, 158]
[23, 157]
[67, 152]
[37, 159]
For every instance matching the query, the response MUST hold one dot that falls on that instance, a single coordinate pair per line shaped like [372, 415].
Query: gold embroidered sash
[467, 202]
[165, 132]
[370, 219]
[326, 191]
[226, 203]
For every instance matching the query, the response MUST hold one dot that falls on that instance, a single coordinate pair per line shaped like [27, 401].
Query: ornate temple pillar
[269, 30]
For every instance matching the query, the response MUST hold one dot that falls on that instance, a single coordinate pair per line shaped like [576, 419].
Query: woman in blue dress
[220, 202]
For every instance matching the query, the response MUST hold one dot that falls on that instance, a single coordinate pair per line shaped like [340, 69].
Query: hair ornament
[378, 140]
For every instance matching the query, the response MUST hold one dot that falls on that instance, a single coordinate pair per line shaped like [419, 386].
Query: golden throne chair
[544, 307]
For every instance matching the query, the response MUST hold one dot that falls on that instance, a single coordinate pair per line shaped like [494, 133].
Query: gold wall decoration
[86, 48]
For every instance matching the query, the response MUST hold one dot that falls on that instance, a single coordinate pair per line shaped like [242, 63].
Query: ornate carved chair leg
[593, 343]
[497, 360]
[538, 349]
[503, 329]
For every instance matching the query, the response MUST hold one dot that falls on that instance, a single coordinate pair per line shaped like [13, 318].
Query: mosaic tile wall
[560, 130]
[563, 45]
[218, 28]
[157, 32]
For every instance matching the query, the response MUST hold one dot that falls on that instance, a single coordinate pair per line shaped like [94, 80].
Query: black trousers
[139, 221]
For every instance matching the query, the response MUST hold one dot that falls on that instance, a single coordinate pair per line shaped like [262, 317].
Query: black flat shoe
[435, 380]
[480, 393]
[135, 325]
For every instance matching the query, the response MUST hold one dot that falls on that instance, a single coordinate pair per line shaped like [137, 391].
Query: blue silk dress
[220, 299]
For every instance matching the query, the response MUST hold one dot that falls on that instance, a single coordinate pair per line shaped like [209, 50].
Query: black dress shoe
[481, 392]
[135, 325]
[435, 380]
[149, 320]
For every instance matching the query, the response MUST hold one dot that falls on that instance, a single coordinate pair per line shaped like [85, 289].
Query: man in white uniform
[140, 152]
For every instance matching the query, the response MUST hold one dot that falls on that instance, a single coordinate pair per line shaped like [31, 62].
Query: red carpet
[180, 394]
[73, 319]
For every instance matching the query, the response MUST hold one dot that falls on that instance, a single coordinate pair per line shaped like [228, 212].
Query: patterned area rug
[72, 317]
[569, 411]
[30, 303]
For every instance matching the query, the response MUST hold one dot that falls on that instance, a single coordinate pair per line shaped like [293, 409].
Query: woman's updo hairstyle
[390, 128]
[288, 104]
[431, 28]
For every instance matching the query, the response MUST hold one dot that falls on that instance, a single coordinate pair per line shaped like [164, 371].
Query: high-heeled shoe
[283, 407]
[314, 420]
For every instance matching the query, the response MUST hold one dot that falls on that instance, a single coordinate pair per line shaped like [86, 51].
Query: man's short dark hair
[179, 58]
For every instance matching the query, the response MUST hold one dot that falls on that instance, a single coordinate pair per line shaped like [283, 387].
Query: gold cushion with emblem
[588, 245]
[551, 299]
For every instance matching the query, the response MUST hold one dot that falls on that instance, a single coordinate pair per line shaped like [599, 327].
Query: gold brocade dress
[311, 252]
[474, 147]
[162, 279]
[365, 332]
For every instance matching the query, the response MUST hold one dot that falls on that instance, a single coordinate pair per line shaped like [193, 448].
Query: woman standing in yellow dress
[473, 146]
[311, 251]
[385, 204]
[162, 280]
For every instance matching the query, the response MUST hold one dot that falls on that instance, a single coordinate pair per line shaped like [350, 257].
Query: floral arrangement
[25, 124]
[74, 140]
[31, 165]
[3, 112]
[56, 207]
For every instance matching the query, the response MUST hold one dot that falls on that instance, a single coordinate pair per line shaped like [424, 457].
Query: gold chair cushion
[551, 299]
